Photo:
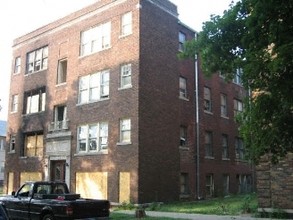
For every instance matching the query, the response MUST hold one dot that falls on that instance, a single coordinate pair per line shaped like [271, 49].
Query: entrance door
[58, 170]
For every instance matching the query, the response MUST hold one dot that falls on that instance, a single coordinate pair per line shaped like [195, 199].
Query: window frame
[238, 106]
[95, 39]
[62, 71]
[224, 109]
[34, 101]
[17, 65]
[35, 58]
[125, 76]
[98, 136]
[239, 149]
[238, 77]
[14, 103]
[12, 143]
[183, 88]
[36, 150]
[210, 185]
[207, 99]
[91, 90]
[184, 184]
[182, 40]
[226, 184]
[125, 127]
[183, 137]
[225, 146]
[208, 142]
[126, 24]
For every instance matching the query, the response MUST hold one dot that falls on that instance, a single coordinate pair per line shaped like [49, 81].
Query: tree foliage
[257, 36]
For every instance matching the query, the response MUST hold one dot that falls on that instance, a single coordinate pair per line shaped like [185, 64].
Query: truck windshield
[25, 190]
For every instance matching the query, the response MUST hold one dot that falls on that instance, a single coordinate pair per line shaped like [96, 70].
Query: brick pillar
[275, 184]
[263, 184]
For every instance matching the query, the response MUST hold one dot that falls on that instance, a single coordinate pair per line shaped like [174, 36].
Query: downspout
[197, 127]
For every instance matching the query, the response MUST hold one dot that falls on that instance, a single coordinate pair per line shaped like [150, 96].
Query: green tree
[256, 36]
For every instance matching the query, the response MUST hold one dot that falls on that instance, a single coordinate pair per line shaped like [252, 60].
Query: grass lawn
[230, 205]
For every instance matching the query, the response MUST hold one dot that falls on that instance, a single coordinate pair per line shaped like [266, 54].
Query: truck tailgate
[88, 208]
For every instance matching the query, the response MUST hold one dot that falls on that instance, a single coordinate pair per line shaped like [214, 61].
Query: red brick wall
[158, 105]
[219, 125]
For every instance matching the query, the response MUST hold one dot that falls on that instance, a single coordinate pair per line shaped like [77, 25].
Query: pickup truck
[45, 200]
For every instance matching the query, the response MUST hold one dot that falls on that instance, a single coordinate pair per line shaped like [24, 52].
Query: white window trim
[44, 57]
[17, 65]
[209, 99]
[126, 24]
[125, 71]
[88, 88]
[123, 142]
[98, 136]
[61, 72]
[14, 103]
[183, 88]
[35, 102]
[99, 38]
[238, 77]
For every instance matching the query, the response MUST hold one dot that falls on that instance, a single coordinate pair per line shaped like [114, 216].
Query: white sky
[18, 17]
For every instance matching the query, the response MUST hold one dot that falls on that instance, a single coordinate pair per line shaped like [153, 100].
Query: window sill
[125, 87]
[31, 114]
[11, 152]
[61, 84]
[183, 98]
[225, 117]
[209, 157]
[208, 112]
[91, 153]
[123, 143]
[124, 35]
[226, 159]
[95, 52]
[88, 103]
[183, 148]
[28, 74]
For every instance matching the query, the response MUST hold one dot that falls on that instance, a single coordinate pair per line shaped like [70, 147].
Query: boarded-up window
[92, 185]
[34, 145]
[30, 176]
[10, 182]
[124, 187]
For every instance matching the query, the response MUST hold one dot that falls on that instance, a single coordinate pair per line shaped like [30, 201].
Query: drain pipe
[197, 127]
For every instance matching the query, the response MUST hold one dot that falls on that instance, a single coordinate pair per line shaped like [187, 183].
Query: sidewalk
[192, 216]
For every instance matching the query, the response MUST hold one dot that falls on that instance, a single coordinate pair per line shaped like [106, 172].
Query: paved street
[192, 216]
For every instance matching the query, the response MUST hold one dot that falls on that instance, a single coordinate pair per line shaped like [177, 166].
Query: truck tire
[48, 217]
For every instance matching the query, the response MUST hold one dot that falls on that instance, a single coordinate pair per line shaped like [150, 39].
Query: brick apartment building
[99, 99]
